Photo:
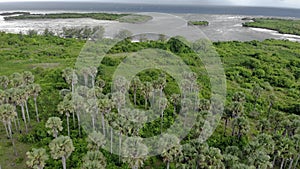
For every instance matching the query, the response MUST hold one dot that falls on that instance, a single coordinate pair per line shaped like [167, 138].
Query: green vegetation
[281, 25]
[98, 16]
[259, 127]
[128, 18]
[198, 23]
[14, 13]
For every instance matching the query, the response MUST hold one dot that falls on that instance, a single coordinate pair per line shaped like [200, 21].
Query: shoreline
[221, 27]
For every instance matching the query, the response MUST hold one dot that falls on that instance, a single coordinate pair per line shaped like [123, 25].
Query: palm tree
[13, 100]
[121, 84]
[85, 71]
[61, 147]
[231, 156]
[226, 116]
[175, 99]
[260, 159]
[242, 166]
[135, 85]
[146, 89]
[256, 92]
[104, 105]
[92, 108]
[93, 73]
[79, 107]
[70, 77]
[296, 139]
[28, 78]
[160, 84]
[35, 90]
[4, 81]
[119, 100]
[242, 124]
[212, 158]
[134, 152]
[263, 124]
[3, 97]
[66, 107]
[186, 104]
[26, 93]
[94, 160]
[271, 99]
[239, 97]
[7, 115]
[37, 158]
[171, 148]
[21, 102]
[265, 142]
[286, 147]
[275, 120]
[95, 141]
[16, 80]
[162, 104]
[185, 87]
[204, 105]
[54, 125]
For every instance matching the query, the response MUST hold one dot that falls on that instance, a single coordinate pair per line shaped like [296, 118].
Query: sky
[269, 3]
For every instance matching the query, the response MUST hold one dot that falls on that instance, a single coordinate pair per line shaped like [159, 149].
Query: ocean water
[119, 7]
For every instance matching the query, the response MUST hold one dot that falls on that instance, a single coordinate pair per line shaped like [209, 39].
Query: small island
[14, 13]
[97, 16]
[285, 26]
[128, 18]
[198, 23]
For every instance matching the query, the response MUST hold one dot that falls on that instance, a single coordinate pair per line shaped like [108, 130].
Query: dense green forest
[259, 127]
[281, 25]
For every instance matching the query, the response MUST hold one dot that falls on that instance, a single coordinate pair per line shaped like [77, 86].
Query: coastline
[221, 27]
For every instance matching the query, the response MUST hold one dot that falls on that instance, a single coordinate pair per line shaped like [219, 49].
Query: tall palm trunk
[63, 160]
[78, 121]
[134, 96]
[16, 126]
[74, 125]
[120, 145]
[146, 103]
[11, 137]
[291, 163]
[36, 110]
[103, 125]
[18, 122]
[27, 112]
[6, 129]
[111, 140]
[225, 126]
[168, 164]
[24, 118]
[282, 163]
[269, 110]
[296, 162]
[68, 124]
[85, 77]
[93, 122]
[162, 120]
[274, 160]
